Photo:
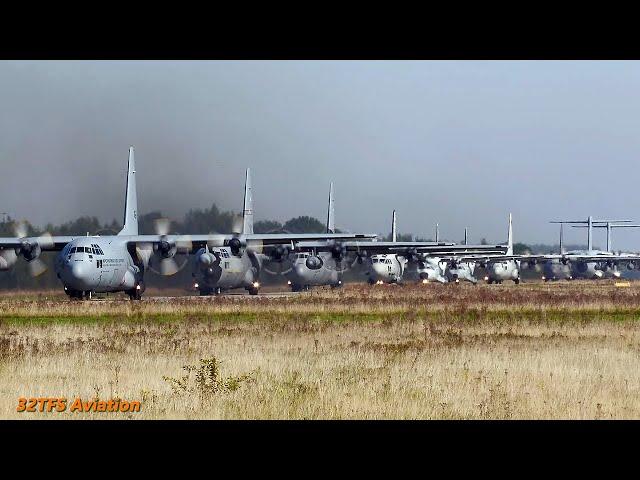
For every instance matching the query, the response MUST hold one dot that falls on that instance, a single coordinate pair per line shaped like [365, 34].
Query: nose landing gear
[136, 293]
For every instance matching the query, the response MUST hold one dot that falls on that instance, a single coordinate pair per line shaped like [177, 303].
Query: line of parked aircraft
[117, 263]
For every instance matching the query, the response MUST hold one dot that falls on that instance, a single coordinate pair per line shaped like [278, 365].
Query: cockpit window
[73, 250]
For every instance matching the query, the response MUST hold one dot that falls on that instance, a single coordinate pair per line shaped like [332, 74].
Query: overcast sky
[460, 143]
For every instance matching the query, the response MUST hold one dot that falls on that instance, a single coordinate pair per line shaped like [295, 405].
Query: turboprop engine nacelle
[30, 251]
[314, 262]
[238, 246]
[166, 249]
[207, 263]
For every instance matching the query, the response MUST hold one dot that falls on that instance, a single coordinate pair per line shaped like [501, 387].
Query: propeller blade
[168, 266]
[37, 267]
[184, 243]
[45, 240]
[162, 226]
[9, 256]
[215, 240]
[21, 229]
[237, 224]
[256, 246]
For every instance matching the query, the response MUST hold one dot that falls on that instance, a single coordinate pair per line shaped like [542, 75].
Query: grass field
[562, 350]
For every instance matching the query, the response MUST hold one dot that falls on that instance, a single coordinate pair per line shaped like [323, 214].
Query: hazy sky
[461, 143]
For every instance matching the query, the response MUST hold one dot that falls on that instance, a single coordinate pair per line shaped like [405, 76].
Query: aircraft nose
[379, 269]
[78, 270]
[300, 269]
[76, 275]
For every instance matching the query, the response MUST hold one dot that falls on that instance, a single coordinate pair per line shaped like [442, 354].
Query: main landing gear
[78, 294]
[205, 291]
[136, 293]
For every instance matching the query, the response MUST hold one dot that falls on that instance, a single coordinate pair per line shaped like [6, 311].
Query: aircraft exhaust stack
[131, 200]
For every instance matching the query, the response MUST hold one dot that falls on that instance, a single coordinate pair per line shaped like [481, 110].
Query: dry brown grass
[567, 350]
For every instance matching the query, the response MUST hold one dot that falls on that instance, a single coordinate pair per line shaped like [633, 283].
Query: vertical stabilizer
[331, 214]
[131, 200]
[247, 209]
[609, 236]
[437, 233]
[561, 244]
[510, 238]
[465, 236]
[590, 233]
[393, 227]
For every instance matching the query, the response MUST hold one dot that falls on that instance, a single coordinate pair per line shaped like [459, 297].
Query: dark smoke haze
[461, 143]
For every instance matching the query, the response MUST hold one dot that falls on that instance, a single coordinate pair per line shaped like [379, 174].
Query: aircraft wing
[255, 240]
[567, 258]
[432, 249]
[46, 242]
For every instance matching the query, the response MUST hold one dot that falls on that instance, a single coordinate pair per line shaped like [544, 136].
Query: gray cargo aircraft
[499, 270]
[317, 268]
[117, 263]
[589, 264]
[239, 261]
[387, 261]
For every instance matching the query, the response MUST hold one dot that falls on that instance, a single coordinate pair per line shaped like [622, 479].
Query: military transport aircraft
[116, 263]
[500, 269]
[238, 262]
[387, 261]
[590, 263]
[323, 267]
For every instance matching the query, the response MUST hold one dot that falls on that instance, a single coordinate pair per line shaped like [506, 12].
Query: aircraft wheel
[517, 281]
[371, 281]
[489, 282]
[253, 291]
[295, 287]
[134, 295]
[204, 291]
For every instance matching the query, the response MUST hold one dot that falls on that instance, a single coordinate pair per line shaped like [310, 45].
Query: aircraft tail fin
[437, 233]
[510, 237]
[561, 244]
[247, 210]
[465, 235]
[393, 227]
[331, 214]
[131, 200]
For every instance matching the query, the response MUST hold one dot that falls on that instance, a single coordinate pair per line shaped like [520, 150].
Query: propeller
[361, 256]
[279, 256]
[31, 249]
[166, 249]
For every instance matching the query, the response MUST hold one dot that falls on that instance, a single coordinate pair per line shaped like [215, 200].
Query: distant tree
[483, 241]
[401, 237]
[207, 221]
[521, 248]
[146, 222]
[266, 226]
[304, 224]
